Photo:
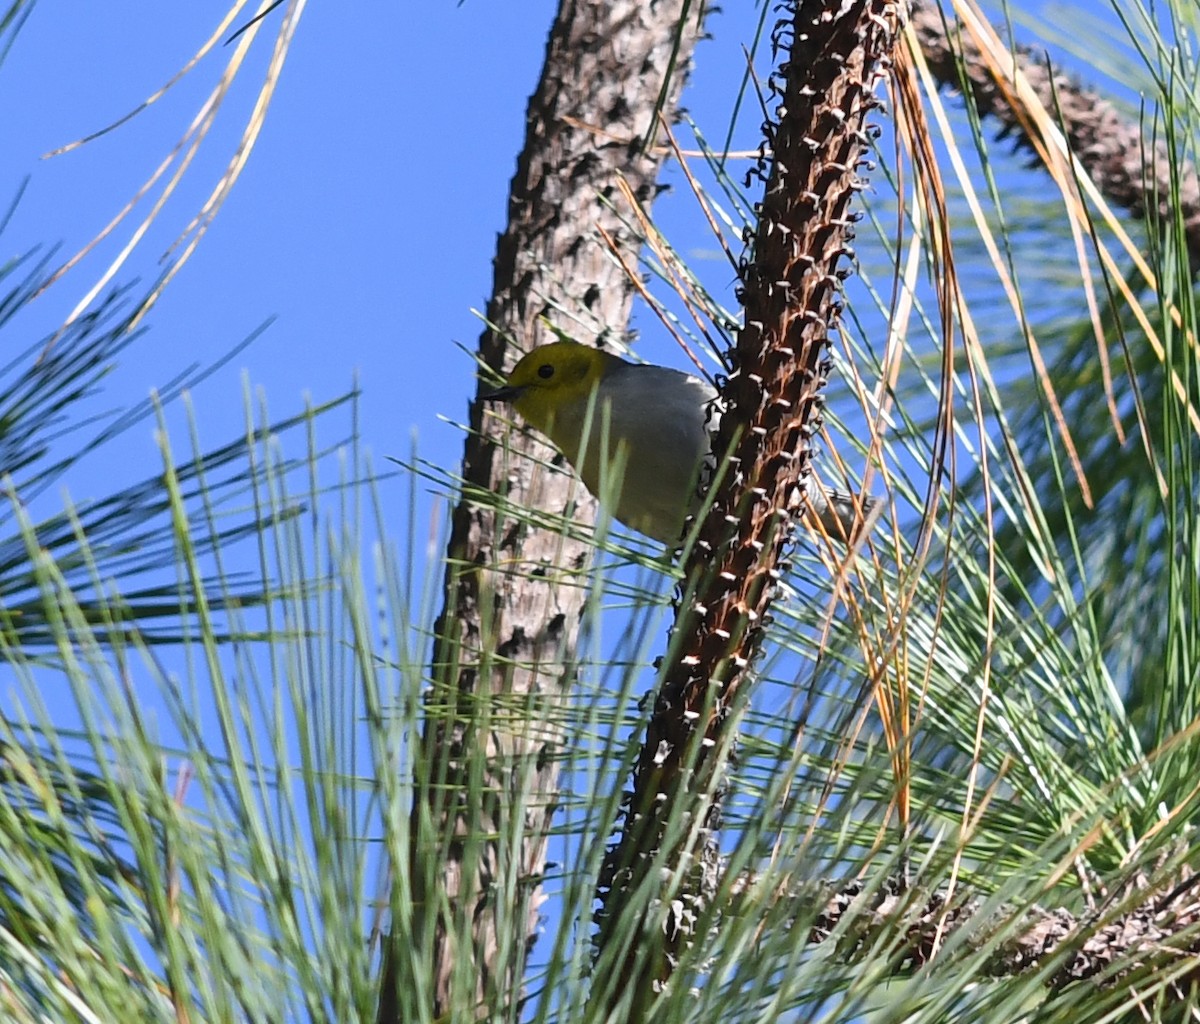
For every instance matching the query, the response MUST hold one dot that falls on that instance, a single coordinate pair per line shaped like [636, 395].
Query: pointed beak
[504, 394]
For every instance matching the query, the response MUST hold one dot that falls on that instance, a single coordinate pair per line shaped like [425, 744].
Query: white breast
[659, 420]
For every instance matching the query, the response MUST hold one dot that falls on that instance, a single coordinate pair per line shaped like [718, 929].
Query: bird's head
[554, 377]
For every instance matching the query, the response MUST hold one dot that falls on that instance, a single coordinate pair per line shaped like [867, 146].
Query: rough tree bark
[509, 632]
[790, 292]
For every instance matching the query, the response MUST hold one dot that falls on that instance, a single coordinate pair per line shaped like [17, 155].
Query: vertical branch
[467, 891]
[790, 292]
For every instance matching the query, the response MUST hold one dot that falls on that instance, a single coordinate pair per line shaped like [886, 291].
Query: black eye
[545, 371]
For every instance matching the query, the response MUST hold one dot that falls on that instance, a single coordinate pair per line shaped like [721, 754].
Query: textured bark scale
[835, 55]
[515, 594]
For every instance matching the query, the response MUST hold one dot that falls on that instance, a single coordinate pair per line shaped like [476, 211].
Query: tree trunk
[509, 633]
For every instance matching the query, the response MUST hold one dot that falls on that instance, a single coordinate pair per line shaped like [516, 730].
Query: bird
[653, 423]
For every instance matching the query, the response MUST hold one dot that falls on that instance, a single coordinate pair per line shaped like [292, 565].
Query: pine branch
[1150, 929]
[1134, 173]
[772, 407]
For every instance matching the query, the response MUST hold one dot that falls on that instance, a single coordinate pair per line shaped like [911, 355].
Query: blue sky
[364, 223]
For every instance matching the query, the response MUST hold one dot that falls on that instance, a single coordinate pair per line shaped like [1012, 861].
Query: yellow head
[554, 377]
